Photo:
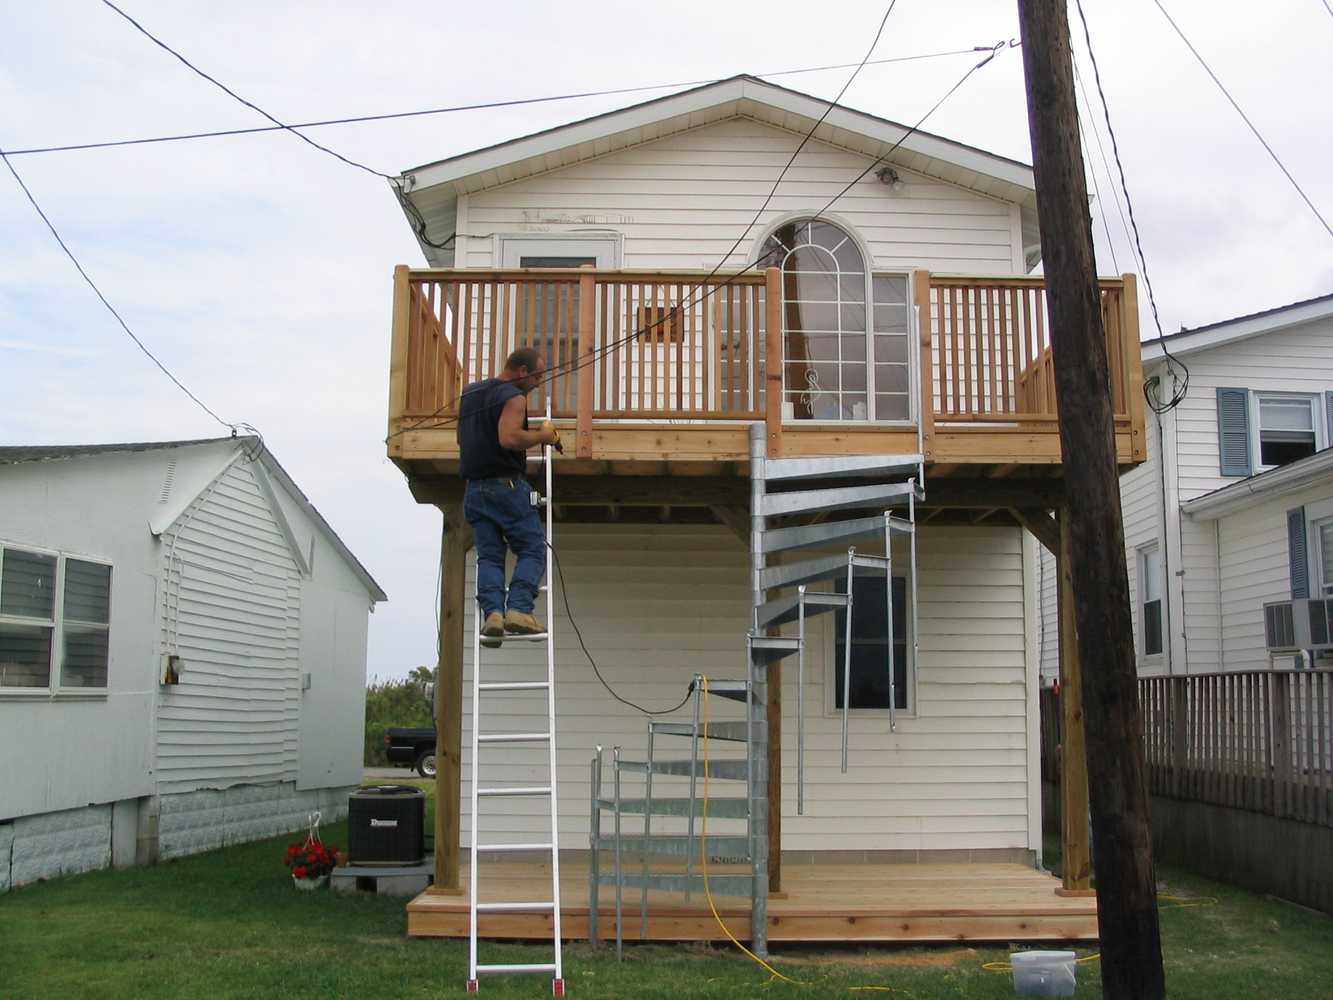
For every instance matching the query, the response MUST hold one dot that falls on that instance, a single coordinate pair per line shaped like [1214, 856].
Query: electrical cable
[1097, 192]
[1245, 118]
[482, 106]
[1179, 386]
[112, 309]
[1106, 166]
[551, 374]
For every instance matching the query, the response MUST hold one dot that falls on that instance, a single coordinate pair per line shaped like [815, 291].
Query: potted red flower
[310, 863]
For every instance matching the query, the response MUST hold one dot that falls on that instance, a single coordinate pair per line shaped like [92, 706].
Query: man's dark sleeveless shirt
[480, 454]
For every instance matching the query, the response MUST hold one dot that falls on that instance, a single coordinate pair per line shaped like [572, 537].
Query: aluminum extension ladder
[481, 689]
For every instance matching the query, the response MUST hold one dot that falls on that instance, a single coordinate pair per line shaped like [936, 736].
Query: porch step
[835, 466]
[787, 609]
[735, 848]
[727, 770]
[771, 648]
[805, 501]
[791, 574]
[806, 535]
[734, 731]
[718, 808]
[718, 885]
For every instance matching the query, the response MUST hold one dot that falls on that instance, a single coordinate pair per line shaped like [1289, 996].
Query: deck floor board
[821, 902]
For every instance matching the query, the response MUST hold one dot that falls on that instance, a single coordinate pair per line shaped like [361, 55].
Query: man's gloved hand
[552, 436]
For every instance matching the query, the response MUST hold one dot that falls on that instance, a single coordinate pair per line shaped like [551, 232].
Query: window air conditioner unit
[1290, 626]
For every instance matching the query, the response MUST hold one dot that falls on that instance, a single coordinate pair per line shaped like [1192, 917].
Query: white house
[1234, 506]
[182, 654]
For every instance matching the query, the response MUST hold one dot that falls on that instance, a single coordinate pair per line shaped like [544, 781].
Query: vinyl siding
[1255, 569]
[681, 202]
[657, 603]
[232, 612]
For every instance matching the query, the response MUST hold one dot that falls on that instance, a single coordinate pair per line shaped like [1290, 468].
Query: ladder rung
[516, 790]
[514, 685]
[513, 737]
[546, 907]
[514, 847]
[500, 970]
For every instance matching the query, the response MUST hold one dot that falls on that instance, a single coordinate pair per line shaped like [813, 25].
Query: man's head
[524, 368]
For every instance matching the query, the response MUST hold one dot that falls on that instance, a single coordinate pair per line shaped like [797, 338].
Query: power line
[1245, 118]
[1097, 192]
[552, 373]
[1179, 386]
[112, 309]
[249, 104]
[483, 106]
[1106, 167]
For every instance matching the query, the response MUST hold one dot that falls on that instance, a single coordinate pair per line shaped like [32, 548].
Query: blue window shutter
[1300, 579]
[1233, 431]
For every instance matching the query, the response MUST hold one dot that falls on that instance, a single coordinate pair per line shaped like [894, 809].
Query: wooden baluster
[587, 358]
[925, 388]
[757, 373]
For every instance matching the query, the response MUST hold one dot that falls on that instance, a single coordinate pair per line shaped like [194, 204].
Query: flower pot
[319, 882]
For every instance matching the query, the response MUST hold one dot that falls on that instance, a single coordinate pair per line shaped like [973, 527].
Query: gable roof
[1291, 478]
[1229, 331]
[250, 445]
[433, 188]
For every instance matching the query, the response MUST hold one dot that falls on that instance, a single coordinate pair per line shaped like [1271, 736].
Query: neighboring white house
[182, 654]
[671, 184]
[1234, 507]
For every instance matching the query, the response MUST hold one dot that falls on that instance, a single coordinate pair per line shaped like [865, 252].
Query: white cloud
[259, 269]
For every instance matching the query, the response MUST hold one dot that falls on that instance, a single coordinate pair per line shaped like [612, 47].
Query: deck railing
[1259, 740]
[624, 345]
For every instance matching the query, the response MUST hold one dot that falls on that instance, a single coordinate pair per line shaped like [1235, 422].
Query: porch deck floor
[821, 902]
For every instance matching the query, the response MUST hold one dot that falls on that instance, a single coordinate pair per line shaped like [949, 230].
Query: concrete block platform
[385, 880]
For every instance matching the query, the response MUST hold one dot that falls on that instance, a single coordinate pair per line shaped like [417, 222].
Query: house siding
[231, 610]
[681, 202]
[657, 603]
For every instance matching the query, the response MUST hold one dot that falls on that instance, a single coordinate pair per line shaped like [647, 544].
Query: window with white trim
[870, 645]
[1288, 427]
[1323, 540]
[55, 621]
[1150, 599]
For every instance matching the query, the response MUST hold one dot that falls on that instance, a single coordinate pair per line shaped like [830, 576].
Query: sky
[259, 269]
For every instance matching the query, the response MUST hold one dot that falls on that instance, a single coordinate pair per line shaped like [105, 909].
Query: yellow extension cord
[774, 973]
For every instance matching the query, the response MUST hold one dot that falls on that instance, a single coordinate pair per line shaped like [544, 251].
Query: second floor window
[1288, 427]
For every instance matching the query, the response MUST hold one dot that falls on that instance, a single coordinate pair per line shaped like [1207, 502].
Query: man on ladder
[493, 437]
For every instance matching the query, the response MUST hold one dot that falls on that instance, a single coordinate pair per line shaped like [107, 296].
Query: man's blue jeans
[503, 517]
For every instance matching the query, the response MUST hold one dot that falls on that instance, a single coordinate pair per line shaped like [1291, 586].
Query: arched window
[827, 337]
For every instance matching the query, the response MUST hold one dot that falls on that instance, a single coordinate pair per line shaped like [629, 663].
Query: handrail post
[925, 394]
[398, 353]
[587, 359]
[773, 359]
[1132, 351]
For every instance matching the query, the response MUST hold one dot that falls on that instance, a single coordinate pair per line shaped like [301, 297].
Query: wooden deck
[822, 903]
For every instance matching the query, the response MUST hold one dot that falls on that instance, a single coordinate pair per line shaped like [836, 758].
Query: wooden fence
[1259, 740]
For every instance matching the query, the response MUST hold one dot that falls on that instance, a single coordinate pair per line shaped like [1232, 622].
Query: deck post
[925, 395]
[456, 540]
[773, 359]
[398, 348]
[1133, 374]
[1075, 848]
[587, 359]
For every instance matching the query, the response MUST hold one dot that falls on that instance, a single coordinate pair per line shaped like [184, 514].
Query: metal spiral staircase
[800, 492]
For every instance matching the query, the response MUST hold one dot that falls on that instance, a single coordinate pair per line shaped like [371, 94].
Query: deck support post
[1075, 840]
[925, 387]
[587, 359]
[454, 544]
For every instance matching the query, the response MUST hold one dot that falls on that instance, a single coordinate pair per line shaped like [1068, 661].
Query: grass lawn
[229, 924]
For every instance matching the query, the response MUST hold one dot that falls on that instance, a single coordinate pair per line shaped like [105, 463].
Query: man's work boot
[493, 630]
[522, 623]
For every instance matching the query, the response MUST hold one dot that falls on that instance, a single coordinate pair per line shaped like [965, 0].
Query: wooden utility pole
[1122, 858]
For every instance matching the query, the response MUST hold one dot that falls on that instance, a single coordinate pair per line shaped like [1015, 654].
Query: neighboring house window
[842, 360]
[870, 654]
[1288, 427]
[1324, 548]
[1150, 598]
[55, 620]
